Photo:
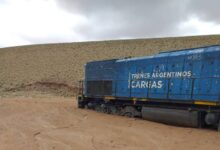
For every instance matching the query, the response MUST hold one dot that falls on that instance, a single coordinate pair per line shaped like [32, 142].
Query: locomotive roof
[164, 54]
[176, 53]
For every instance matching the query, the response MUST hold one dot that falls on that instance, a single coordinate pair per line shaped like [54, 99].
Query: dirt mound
[63, 63]
[59, 89]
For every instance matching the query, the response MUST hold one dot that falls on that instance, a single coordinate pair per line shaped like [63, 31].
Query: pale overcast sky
[25, 22]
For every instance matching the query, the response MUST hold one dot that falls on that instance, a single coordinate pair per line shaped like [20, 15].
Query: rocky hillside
[56, 68]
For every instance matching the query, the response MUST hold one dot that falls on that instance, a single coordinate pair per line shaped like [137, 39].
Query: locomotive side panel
[181, 76]
[206, 75]
[184, 76]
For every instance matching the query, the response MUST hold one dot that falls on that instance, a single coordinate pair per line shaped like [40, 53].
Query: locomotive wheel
[128, 114]
[112, 110]
[131, 111]
[103, 108]
[98, 108]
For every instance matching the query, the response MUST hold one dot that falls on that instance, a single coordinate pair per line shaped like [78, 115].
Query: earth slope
[56, 68]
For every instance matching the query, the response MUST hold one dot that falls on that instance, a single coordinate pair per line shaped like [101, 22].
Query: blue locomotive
[176, 87]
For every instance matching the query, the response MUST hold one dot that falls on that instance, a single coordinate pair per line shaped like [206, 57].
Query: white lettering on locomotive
[153, 80]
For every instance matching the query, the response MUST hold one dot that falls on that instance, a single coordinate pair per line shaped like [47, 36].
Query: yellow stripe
[143, 99]
[109, 97]
[205, 103]
[139, 99]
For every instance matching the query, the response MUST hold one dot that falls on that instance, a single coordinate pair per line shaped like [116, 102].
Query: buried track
[173, 114]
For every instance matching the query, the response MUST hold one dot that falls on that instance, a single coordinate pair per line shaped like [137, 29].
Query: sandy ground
[56, 123]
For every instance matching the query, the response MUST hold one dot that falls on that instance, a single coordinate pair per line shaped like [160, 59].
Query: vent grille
[99, 88]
